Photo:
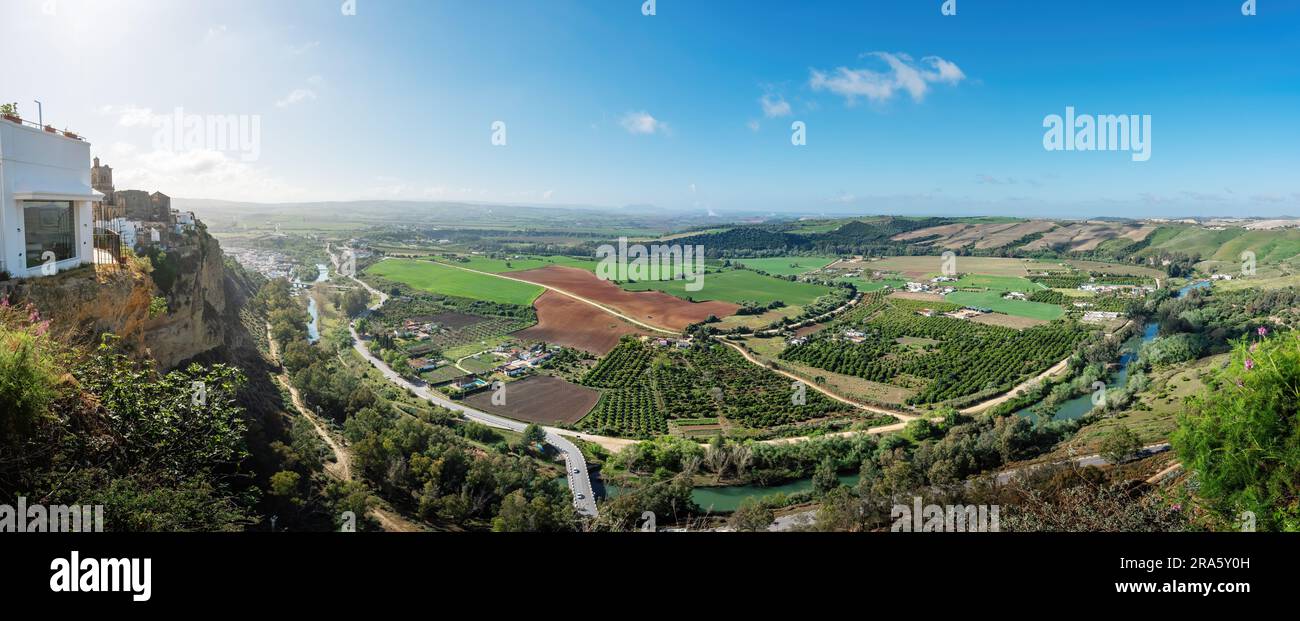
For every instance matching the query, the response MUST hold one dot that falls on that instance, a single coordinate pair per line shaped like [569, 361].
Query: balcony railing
[47, 128]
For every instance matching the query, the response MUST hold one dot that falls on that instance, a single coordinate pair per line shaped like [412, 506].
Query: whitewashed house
[46, 214]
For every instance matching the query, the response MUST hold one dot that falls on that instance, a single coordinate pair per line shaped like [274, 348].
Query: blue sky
[689, 109]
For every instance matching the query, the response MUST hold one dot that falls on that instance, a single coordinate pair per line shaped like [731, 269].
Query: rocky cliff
[201, 316]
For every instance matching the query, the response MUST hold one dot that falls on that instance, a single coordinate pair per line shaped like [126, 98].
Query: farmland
[971, 359]
[652, 307]
[563, 320]
[993, 300]
[539, 399]
[737, 286]
[518, 263]
[438, 278]
[447, 325]
[646, 386]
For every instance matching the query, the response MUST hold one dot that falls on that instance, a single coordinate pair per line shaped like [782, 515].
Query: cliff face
[201, 316]
[202, 305]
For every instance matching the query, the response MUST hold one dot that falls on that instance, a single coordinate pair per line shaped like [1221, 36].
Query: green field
[501, 266]
[1001, 283]
[993, 300]
[737, 286]
[445, 280]
[786, 266]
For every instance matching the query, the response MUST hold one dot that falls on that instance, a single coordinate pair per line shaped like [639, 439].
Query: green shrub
[1241, 438]
[27, 382]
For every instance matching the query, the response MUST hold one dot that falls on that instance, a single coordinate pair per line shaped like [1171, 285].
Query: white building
[184, 221]
[45, 201]
[127, 229]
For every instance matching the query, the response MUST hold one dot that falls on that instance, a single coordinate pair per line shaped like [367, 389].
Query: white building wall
[56, 168]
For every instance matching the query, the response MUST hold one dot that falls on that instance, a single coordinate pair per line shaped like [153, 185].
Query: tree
[825, 477]
[355, 301]
[284, 485]
[534, 435]
[751, 516]
[1120, 445]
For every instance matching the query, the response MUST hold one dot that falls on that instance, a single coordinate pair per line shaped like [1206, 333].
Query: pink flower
[1263, 331]
[1250, 364]
[42, 328]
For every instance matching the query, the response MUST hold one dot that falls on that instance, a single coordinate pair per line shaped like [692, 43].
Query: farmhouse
[469, 383]
[46, 200]
[421, 365]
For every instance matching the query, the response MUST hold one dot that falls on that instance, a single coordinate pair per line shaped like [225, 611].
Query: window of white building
[50, 229]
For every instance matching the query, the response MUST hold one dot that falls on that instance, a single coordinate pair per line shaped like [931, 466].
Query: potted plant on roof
[10, 112]
[71, 135]
[50, 128]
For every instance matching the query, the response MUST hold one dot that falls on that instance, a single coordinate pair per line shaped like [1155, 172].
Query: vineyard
[969, 359]
[643, 388]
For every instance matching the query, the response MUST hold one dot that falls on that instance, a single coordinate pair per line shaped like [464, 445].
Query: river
[313, 327]
[1079, 406]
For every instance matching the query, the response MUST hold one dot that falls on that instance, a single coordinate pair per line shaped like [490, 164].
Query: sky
[904, 110]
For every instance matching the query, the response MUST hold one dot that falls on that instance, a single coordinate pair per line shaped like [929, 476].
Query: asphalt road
[579, 483]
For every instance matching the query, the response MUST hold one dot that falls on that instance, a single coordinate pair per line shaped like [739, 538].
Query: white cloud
[214, 32]
[297, 50]
[298, 95]
[902, 74]
[197, 174]
[642, 123]
[774, 106]
[130, 115]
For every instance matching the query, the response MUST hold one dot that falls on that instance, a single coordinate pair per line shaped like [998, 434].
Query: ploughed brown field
[563, 320]
[539, 399]
[651, 307]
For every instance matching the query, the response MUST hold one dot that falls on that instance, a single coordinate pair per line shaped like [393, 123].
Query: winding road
[575, 465]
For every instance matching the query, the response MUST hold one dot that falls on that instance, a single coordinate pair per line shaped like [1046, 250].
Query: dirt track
[652, 307]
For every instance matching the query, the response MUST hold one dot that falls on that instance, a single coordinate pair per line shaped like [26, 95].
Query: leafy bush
[1241, 438]
[27, 381]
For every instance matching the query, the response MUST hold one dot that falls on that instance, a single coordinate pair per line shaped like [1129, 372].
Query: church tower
[101, 179]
